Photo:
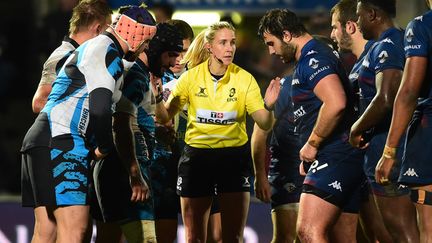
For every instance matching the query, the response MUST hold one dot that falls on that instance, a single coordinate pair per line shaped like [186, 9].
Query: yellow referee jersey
[217, 108]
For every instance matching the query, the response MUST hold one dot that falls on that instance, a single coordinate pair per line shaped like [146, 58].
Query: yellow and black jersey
[217, 108]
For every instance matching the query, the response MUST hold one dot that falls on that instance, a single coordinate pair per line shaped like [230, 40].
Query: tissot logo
[201, 92]
[216, 115]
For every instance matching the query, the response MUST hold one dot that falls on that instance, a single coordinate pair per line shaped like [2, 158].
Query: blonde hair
[86, 12]
[197, 52]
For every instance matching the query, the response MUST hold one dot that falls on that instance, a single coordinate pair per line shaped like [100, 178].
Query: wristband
[268, 108]
[159, 98]
[389, 152]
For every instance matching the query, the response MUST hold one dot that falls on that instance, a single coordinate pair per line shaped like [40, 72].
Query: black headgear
[167, 38]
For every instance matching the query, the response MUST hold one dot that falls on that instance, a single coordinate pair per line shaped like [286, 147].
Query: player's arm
[332, 95]
[258, 148]
[404, 106]
[387, 84]
[124, 141]
[100, 116]
[40, 97]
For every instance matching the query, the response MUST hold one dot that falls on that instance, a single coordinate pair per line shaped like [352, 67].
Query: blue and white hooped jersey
[418, 42]
[97, 63]
[317, 61]
[284, 128]
[386, 53]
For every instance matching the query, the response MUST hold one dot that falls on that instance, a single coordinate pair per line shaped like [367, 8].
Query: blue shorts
[111, 182]
[336, 174]
[416, 166]
[372, 156]
[284, 177]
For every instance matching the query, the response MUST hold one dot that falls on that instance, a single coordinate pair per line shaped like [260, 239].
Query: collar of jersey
[224, 79]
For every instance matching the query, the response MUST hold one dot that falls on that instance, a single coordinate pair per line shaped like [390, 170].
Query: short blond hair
[86, 12]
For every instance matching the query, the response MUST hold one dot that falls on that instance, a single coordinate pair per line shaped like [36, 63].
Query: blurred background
[31, 29]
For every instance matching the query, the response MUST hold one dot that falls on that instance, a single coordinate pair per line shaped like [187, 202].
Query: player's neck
[301, 42]
[358, 45]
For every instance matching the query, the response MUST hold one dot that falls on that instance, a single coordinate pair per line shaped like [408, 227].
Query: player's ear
[286, 36]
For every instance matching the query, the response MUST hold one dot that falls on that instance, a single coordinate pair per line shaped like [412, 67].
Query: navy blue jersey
[284, 127]
[317, 61]
[386, 53]
[354, 74]
[418, 42]
[94, 66]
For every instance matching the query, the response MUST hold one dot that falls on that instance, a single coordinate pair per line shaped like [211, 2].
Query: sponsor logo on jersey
[299, 113]
[411, 172]
[336, 185]
[295, 81]
[82, 125]
[315, 166]
[383, 56]
[412, 47]
[202, 92]
[313, 63]
[216, 117]
[318, 71]
[409, 35]
[231, 97]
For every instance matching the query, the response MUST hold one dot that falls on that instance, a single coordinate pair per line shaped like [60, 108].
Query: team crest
[313, 63]
[409, 35]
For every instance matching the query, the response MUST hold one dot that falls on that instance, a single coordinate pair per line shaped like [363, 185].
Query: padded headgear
[135, 25]
[167, 38]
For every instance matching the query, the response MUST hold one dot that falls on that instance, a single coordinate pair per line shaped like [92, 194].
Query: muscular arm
[406, 98]
[330, 91]
[387, 83]
[258, 148]
[40, 97]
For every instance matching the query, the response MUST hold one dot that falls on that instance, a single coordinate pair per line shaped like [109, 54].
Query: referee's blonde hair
[197, 53]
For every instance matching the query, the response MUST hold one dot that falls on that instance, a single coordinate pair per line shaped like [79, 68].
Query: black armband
[268, 108]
